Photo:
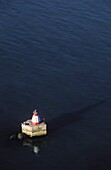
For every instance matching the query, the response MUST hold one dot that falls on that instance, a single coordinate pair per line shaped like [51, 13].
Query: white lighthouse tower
[35, 118]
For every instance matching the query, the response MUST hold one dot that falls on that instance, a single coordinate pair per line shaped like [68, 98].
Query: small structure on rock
[34, 126]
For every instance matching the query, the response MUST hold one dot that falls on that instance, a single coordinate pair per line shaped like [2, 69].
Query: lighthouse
[35, 126]
[35, 118]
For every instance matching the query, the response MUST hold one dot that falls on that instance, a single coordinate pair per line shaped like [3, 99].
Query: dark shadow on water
[66, 119]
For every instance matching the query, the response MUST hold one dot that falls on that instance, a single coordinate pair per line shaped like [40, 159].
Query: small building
[34, 126]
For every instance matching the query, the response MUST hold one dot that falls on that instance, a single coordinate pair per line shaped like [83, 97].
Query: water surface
[55, 57]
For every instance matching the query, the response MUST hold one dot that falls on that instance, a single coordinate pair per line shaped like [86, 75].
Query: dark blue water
[55, 56]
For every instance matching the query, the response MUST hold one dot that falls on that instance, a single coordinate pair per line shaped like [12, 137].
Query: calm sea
[55, 56]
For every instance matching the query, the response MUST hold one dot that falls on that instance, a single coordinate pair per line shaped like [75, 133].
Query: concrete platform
[34, 130]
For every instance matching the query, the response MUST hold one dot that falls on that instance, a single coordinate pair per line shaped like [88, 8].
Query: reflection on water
[34, 144]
